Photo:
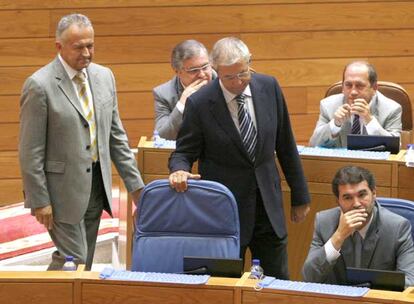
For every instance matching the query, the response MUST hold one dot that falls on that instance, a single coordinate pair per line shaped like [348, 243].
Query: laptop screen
[376, 279]
[373, 143]
[218, 267]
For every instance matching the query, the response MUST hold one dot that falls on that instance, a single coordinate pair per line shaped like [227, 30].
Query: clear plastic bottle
[69, 264]
[409, 156]
[156, 139]
[256, 271]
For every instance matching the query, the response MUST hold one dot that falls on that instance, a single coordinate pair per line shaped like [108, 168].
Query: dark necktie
[246, 126]
[356, 125]
[357, 239]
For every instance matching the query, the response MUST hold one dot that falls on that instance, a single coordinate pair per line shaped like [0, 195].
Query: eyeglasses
[196, 70]
[242, 76]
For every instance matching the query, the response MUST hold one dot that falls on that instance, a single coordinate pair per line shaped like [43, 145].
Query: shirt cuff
[180, 107]
[373, 126]
[331, 253]
[334, 128]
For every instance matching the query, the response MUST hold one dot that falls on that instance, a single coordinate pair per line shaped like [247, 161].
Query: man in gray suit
[384, 238]
[360, 108]
[189, 59]
[70, 130]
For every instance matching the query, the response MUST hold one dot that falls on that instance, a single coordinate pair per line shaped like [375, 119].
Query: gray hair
[228, 51]
[372, 73]
[68, 20]
[186, 50]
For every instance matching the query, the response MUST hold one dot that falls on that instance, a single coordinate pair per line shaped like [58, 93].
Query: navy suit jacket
[208, 134]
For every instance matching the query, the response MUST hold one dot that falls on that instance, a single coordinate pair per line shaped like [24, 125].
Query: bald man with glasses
[190, 61]
[234, 126]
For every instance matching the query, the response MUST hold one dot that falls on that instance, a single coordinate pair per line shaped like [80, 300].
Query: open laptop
[376, 279]
[373, 143]
[218, 267]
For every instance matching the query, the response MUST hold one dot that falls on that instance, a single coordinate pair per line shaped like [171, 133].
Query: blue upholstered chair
[202, 221]
[402, 207]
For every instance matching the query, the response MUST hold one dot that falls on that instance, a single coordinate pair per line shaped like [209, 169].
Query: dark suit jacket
[388, 245]
[209, 135]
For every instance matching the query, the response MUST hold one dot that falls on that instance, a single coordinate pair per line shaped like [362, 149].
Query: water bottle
[69, 264]
[256, 271]
[156, 139]
[409, 156]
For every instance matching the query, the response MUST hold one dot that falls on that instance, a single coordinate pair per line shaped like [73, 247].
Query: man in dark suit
[233, 126]
[358, 233]
[70, 131]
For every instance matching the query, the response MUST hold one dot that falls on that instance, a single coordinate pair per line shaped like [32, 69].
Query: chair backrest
[391, 90]
[402, 207]
[202, 221]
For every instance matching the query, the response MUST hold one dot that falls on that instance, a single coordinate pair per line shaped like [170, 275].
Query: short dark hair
[352, 175]
[372, 73]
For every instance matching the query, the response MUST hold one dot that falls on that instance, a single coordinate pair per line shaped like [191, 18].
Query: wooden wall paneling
[53, 4]
[11, 191]
[9, 164]
[247, 18]
[9, 133]
[296, 100]
[24, 23]
[28, 51]
[135, 105]
[9, 105]
[137, 128]
[330, 44]
[303, 125]
[144, 48]
[13, 78]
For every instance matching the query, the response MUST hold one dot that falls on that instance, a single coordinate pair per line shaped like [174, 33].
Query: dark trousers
[267, 246]
[79, 240]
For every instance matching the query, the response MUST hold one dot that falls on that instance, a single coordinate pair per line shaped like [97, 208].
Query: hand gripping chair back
[202, 221]
[402, 207]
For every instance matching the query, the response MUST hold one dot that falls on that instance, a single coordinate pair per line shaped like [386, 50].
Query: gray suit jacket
[388, 245]
[385, 110]
[54, 135]
[167, 117]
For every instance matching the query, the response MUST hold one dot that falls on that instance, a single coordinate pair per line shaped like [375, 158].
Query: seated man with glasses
[233, 126]
[359, 109]
[189, 59]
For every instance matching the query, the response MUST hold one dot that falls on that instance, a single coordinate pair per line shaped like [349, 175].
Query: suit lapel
[370, 241]
[65, 85]
[94, 85]
[221, 114]
[262, 105]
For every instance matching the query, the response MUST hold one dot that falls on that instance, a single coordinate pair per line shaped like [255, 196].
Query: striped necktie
[87, 107]
[246, 127]
[356, 125]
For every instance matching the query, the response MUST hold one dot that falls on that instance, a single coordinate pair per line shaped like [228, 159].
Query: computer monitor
[376, 279]
[218, 267]
[373, 143]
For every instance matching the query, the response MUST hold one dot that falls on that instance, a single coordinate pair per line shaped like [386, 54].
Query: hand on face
[192, 88]
[351, 221]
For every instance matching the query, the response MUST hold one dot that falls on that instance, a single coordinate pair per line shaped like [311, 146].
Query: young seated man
[384, 238]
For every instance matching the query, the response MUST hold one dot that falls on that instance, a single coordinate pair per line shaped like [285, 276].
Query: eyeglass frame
[242, 75]
[196, 70]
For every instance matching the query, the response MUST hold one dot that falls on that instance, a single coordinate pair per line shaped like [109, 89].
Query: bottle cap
[256, 262]
[69, 258]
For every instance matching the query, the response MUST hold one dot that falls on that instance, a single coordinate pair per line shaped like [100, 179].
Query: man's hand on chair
[178, 179]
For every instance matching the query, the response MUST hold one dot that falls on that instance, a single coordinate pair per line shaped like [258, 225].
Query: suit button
[88, 170]
[88, 147]
[86, 125]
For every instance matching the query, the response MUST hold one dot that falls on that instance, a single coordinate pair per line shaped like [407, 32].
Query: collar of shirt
[69, 70]
[228, 96]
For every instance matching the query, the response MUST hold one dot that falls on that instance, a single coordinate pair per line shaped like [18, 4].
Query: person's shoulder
[166, 87]
[97, 68]
[336, 99]
[387, 102]
[328, 215]
[390, 217]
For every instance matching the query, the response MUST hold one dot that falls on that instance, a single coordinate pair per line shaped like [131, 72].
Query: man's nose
[85, 52]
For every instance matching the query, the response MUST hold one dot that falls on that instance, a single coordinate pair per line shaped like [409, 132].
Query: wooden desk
[82, 287]
[393, 179]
